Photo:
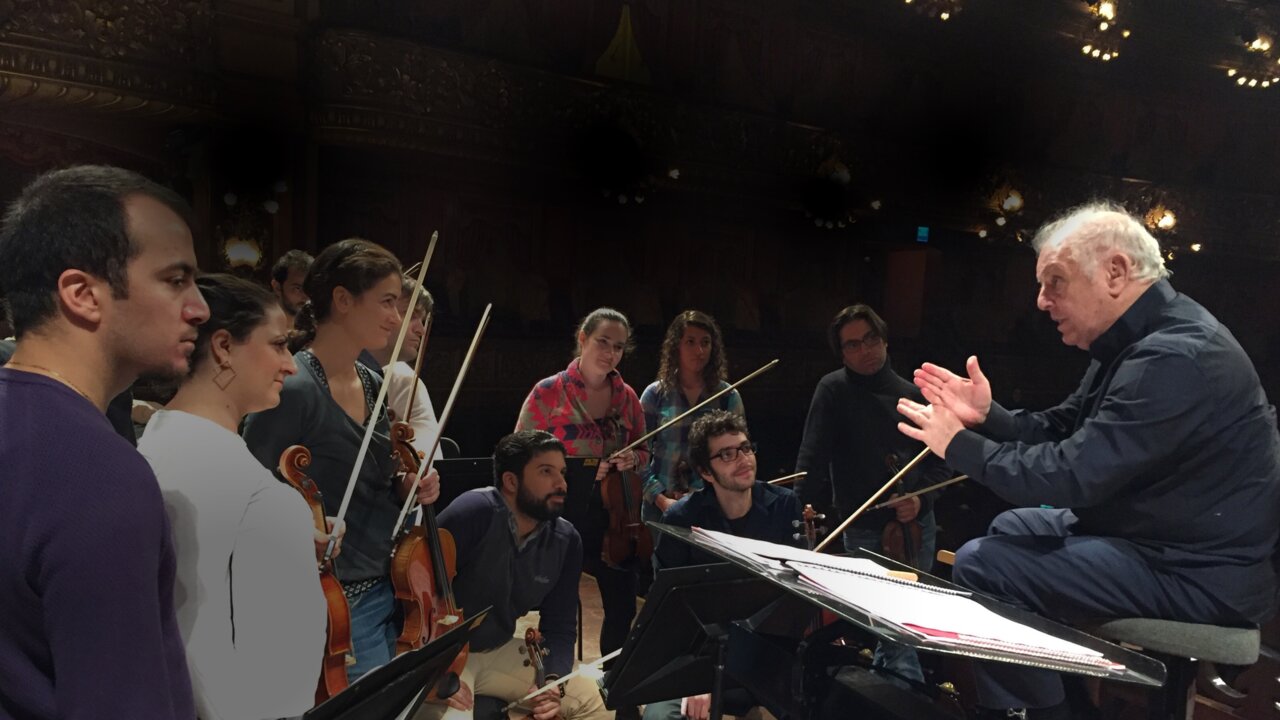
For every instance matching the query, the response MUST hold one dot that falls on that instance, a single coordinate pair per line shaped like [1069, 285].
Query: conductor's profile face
[1075, 298]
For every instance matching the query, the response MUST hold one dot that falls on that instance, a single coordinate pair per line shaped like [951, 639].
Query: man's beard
[729, 482]
[289, 308]
[529, 504]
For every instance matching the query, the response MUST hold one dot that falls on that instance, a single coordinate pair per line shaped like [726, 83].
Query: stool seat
[1214, 643]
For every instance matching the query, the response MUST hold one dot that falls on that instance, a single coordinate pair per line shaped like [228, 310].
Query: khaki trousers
[501, 673]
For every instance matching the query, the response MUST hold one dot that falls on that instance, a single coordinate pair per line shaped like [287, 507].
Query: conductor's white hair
[1092, 230]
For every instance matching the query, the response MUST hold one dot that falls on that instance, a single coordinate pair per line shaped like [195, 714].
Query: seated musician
[515, 553]
[1163, 467]
[353, 286]
[249, 601]
[851, 447]
[98, 268]
[398, 372]
[732, 501]
[693, 367]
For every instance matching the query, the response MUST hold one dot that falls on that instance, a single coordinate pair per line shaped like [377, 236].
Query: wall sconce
[242, 252]
[1161, 218]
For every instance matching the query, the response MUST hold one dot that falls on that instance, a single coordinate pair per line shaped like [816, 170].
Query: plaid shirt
[670, 446]
[558, 404]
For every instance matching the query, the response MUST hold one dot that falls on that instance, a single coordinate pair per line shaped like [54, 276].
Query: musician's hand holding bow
[697, 707]
[907, 510]
[428, 489]
[933, 425]
[321, 539]
[968, 398]
[545, 706]
[622, 462]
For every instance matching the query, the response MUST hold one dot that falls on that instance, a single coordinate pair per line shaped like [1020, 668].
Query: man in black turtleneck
[852, 446]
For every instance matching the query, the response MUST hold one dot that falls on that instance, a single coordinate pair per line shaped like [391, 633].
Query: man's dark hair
[70, 218]
[850, 314]
[514, 452]
[288, 262]
[713, 424]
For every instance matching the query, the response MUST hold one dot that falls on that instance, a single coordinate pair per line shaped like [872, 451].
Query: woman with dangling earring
[250, 607]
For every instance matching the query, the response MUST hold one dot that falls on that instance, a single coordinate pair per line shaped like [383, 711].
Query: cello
[337, 654]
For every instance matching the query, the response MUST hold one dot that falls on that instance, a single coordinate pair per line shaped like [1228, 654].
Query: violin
[900, 540]
[423, 564]
[338, 652]
[626, 537]
[534, 655]
[809, 521]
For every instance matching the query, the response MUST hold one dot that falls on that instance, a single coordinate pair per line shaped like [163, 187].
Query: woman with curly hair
[693, 368]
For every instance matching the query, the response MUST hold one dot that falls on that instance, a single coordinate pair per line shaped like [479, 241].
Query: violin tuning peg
[797, 536]
[797, 523]
[526, 663]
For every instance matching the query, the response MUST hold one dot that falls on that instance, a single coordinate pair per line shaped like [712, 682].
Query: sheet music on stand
[930, 615]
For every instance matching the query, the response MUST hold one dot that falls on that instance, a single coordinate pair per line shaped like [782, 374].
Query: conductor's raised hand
[969, 398]
[933, 425]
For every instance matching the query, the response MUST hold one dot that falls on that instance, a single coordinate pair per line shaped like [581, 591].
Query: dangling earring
[229, 373]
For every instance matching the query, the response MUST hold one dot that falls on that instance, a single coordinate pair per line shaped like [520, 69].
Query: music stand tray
[396, 689]
[1138, 668]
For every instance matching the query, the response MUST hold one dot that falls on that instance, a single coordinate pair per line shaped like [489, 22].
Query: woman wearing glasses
[693, 368]
[594, 413]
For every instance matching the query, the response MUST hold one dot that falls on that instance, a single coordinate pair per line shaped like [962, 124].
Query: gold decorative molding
[134, 58]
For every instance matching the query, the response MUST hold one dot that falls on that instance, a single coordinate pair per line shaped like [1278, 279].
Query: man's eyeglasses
[730, 454]
[869, 342]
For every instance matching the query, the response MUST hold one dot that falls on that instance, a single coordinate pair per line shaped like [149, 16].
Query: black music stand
[458, 475]
[396, 689]
[679, 645]
[1138, 669]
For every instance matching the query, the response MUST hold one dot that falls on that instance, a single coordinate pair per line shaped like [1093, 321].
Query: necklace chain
[53, 374]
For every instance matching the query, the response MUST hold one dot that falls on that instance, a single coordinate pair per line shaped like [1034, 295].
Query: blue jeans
[898, 659]
[374, 629]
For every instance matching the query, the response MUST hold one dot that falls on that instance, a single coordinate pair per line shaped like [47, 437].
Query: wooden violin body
[333, 675]
[626, 537]
[423, 565]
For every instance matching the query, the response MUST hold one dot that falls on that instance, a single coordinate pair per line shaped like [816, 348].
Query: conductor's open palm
[969, 398]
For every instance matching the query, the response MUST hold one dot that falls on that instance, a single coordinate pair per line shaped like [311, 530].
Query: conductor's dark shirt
[1169, 442]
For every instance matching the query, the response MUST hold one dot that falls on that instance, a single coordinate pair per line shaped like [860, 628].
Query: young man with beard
[515, 553]
[98, 269]
[286, 280]
[732, 501]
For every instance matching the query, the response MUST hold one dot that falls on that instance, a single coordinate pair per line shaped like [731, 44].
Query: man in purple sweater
[97, 266]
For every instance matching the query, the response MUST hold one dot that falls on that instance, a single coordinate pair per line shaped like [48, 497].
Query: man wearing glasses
[732, 501]
[852, 446]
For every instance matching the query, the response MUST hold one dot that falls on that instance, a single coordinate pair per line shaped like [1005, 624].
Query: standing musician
[515, 553]
[98, 269]
[287, 276]
[852, 445]
[353, 285]
[589, 408]
[733, 501]
[250, 605]
[399, 374]
[693, 367]
[1163, 467]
